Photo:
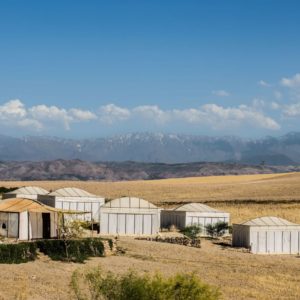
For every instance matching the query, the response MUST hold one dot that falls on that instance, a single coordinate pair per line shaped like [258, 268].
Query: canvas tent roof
[269, 221]
[29, 190]
[196, 207]
[129, 202]
[71, 192]
[21, 205]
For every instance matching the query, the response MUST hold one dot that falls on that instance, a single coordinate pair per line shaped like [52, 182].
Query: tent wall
[23, 225]
[267, 239]
[88, 204]
[129, 221]
[276, 241]
[181, 219]
[202, 219]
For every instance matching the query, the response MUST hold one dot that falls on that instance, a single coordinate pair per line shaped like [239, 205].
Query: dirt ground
[238, 274]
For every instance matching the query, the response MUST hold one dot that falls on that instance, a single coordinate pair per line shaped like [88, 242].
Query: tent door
[46, 225]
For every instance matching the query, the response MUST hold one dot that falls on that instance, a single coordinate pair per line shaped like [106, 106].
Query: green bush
[17, 253]
[192, 231]
[217, 229]
[131, 286]
[76, 250]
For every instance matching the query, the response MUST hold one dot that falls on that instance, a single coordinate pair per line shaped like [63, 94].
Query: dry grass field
[239, 275]
[245, 196]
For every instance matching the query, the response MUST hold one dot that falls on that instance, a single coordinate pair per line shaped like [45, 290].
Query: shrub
[131, 286]
[76, 250]
[217, 229]
[17, 253]
[192, 231]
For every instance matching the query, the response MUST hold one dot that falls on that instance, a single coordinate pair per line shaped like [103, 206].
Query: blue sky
[97, 68]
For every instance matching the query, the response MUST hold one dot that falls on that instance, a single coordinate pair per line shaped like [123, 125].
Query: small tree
[221, 228]
[216, 229]
[71, 229]
[210, 229]
[192, 231]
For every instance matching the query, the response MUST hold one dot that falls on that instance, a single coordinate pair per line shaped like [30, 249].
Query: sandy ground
[238, 274]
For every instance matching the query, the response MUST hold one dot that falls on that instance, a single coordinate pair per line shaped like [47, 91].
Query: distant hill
[112, 171]
[156, 148]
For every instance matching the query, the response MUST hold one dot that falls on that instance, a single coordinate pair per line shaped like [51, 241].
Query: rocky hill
[112, 171]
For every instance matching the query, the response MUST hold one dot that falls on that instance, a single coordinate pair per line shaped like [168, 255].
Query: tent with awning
[27, 219]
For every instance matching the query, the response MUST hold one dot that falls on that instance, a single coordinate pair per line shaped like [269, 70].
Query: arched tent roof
[196, 207]
[129, 202]
[268, 221]
[71, 192]
[29, 190]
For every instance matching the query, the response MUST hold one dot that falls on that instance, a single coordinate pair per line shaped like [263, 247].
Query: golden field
[238, 274]
[244, 196]
[207, 189]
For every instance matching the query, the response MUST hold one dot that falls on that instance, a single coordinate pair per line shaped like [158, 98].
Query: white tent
[27, 192]
[26, 219]
[193, 214]
[267, 235]
[129, 216]
[75, 199]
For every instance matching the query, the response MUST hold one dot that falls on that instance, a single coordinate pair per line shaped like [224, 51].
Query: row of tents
[32, 213]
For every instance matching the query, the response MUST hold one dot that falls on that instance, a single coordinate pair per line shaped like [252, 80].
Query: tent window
[9, 224]
[13, 225]
[3, 224]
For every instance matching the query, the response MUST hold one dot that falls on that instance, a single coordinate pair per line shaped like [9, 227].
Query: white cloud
[291, 82]
[51, 113]
[42, 117]
[292, 110]
[14, 113]
[82, 115]
[221, 93]
[12, 109]
[241, 114]
[112, 113]
[219, 117]
[264, 83]
[152, 112]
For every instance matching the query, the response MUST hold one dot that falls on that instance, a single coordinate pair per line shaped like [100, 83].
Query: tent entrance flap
[46, 225]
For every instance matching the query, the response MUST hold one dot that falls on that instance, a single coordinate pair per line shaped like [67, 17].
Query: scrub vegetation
[133, 286]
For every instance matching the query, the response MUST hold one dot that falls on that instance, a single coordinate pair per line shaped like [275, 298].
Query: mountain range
[156, 148]
[113, 171]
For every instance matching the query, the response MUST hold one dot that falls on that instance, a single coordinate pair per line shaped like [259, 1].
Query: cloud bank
[14, 113]
[283, 105]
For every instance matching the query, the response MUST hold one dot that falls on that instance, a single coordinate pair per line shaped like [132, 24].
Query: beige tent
[267, 235]
[27, 219]
[129, 216]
